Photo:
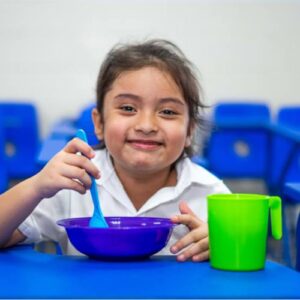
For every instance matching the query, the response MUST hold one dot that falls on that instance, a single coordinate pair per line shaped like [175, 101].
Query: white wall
[50, 51]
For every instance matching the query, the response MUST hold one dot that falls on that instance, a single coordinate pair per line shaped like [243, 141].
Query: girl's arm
[15, 205]
[66, 170]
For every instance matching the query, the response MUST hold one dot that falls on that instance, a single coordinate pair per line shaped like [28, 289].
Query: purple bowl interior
[128, 223]
[125, 238]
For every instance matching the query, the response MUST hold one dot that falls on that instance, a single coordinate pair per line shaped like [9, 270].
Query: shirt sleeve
[41, 223]
[220, 188]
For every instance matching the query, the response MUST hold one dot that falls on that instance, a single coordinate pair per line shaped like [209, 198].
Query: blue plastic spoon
[97, 219]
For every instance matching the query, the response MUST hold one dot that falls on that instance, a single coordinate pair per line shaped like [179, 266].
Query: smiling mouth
[145, 144]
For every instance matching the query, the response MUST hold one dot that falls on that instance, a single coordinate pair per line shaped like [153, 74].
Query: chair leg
[285, 237]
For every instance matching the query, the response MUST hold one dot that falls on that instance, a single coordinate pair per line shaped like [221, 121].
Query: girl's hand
[67, 170]
[196, 241]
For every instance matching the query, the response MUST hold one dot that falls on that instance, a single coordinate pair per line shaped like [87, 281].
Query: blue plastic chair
[285, 153]
[50, 146]
[201, 161]
[238, 146]
[64, 130]
[85, 122]
[285, 163]
[67, 127]
[3, 169]
[21, 137]
[61, 132]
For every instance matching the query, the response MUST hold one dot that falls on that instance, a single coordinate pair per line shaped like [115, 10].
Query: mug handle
[276, 217]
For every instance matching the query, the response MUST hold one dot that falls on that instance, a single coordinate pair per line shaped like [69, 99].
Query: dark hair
[158, 53]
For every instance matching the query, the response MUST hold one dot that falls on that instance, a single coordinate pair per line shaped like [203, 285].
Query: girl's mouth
[149, 145]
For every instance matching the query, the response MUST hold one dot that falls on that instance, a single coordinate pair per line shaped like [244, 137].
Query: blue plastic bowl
[126, 238]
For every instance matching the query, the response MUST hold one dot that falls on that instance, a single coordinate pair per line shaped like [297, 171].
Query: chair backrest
[285, 152]
[241, 112]
[289, 116]
[239, 142]
[85, 122]
[20, 125]
[64, 128]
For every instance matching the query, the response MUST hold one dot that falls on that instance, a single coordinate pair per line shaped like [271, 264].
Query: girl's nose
[146, 123]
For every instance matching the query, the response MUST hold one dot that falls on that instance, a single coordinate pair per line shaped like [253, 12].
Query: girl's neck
[140, 186]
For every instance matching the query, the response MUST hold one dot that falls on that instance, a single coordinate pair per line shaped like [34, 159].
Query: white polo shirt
[194, 184]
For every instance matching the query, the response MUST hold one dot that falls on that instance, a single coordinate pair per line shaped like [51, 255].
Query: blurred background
[51, 50]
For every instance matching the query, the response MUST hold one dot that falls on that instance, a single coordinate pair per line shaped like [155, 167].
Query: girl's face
[145, 121]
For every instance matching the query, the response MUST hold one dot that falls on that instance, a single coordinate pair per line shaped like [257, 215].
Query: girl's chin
[145, 167]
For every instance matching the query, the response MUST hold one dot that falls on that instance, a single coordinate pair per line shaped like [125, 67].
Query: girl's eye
[127, 108]
[168, 112]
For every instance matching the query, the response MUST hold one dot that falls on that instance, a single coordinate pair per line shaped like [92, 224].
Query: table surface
[26, 273]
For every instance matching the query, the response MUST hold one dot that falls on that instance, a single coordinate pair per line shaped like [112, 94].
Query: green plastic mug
[238, 229]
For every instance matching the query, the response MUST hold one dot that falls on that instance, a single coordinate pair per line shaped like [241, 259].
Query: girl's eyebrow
[162, 100]
[172, 100]
[128, 95]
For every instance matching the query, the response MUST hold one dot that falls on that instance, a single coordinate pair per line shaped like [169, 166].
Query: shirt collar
[110, 181]
[103, 161]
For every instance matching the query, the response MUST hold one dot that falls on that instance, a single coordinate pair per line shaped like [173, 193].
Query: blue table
[29, 274]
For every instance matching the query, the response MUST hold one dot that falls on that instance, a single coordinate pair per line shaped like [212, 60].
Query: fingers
[81, 162]
[187, 217]
[193, 245]
[73, 166]
[71, 184]
[201, 256]
[68, 170]
[69, 157]
[77, 173]
[77, 145]
[197, 236]
[49, 183]
[190, 221]
[184, 209]
[197, 251]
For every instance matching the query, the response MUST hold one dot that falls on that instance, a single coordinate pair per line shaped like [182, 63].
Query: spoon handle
[97, 219]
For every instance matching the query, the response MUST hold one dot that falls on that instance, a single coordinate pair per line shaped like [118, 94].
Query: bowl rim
[167, 223]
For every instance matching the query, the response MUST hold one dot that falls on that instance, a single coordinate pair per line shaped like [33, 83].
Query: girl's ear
[98, 124]
[190, 133]
[188, 141]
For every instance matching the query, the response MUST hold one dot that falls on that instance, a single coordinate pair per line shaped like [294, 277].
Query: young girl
[148, 106]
